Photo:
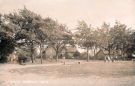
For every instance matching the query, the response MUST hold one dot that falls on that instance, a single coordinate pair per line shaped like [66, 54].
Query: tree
[42, 38]
[60, 39]
[85, 36]
[7, 46]
[103, 36]
[29, 29]
[57, 35]
[32, 29]
[120, 35]
[131, 47]
[7, 42]
[32, 23]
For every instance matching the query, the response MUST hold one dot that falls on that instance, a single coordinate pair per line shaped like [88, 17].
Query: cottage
[105, 55]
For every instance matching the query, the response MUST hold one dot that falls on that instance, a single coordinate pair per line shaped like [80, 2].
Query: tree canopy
[25, 29]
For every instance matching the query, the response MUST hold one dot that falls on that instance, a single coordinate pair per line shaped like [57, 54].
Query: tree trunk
[57, 53]
[32, 60]
[122, 52]
[32, 52]
[109, 52]
[94, 53]
[88, 54]
[41, 56]
[57, 56]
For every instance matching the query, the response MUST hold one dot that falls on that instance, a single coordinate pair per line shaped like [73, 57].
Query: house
[101, 54]
[70, 51]
[49, 53]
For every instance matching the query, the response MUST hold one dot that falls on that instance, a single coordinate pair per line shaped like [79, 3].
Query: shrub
[7, 46]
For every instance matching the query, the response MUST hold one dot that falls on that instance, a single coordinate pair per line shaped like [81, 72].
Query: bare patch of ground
[96, 73]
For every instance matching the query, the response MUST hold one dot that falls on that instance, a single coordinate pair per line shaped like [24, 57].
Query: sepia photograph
[67, 42]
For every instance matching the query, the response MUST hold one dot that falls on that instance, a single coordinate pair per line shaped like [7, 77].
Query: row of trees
[28, 29]
[118, 38]
[25, 29]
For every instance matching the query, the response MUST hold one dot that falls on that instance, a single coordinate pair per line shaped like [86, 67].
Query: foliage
[77, 54]
[85, 37]
[7, 46]
[23, 30]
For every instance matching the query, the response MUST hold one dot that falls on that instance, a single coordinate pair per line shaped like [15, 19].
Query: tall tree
[60, 39]
[29, 24]
[85, 36]
[121, 37]
[7, 42]
[103, 36]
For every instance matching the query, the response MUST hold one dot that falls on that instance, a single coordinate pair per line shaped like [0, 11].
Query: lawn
[97, 73]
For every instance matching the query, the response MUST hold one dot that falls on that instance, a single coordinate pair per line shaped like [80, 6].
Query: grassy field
[97, 73]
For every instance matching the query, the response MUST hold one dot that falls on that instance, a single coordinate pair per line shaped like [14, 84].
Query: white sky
[70, 11]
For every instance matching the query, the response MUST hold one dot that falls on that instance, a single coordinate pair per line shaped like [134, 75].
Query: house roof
[71, 49]
[105, 52]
